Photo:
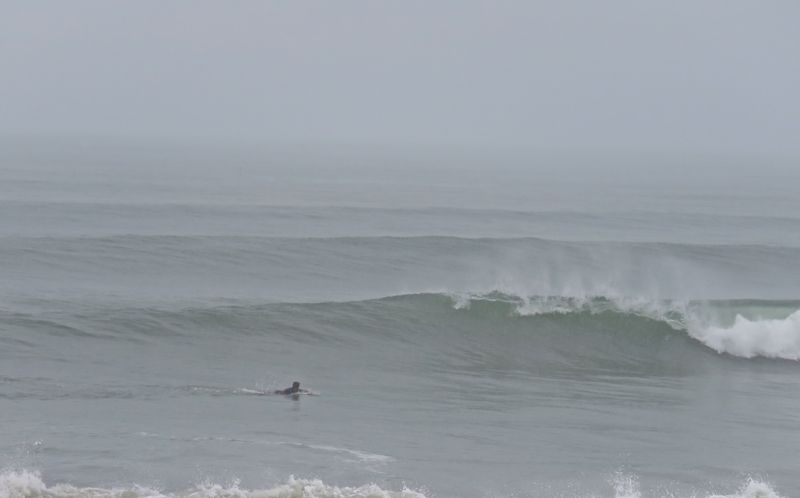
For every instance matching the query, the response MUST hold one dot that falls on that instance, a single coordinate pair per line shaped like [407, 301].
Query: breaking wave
[739, 328]
[745, 329]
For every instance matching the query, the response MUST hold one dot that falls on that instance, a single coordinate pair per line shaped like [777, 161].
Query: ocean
[469, 323]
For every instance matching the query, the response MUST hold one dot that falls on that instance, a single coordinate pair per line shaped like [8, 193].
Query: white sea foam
[24, 484]
[749, 338]
[361, 456]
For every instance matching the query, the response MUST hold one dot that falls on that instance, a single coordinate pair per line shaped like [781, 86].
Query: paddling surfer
[295, 389]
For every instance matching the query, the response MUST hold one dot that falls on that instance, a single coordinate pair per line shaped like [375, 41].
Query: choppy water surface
[473, 324]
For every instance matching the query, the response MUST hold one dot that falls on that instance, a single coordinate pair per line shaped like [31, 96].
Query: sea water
[475, 323]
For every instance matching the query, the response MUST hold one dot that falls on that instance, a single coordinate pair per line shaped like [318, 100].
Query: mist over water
[475, 322]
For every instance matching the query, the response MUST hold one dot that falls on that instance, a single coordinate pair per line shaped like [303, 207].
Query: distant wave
[177, 268]
[24, 484]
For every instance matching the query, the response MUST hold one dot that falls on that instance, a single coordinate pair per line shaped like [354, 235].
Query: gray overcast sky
[717, 75]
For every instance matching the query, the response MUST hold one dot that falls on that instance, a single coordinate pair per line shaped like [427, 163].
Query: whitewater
[474, 323]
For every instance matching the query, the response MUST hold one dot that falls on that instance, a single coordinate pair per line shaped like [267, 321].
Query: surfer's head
[295, 385]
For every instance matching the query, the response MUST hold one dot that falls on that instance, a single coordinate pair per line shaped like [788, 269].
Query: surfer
[295, 389]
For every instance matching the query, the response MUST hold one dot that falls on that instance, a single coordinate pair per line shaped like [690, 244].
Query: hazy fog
[715, 76]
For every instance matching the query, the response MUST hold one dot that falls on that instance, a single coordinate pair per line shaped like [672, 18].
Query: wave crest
[672, 312]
